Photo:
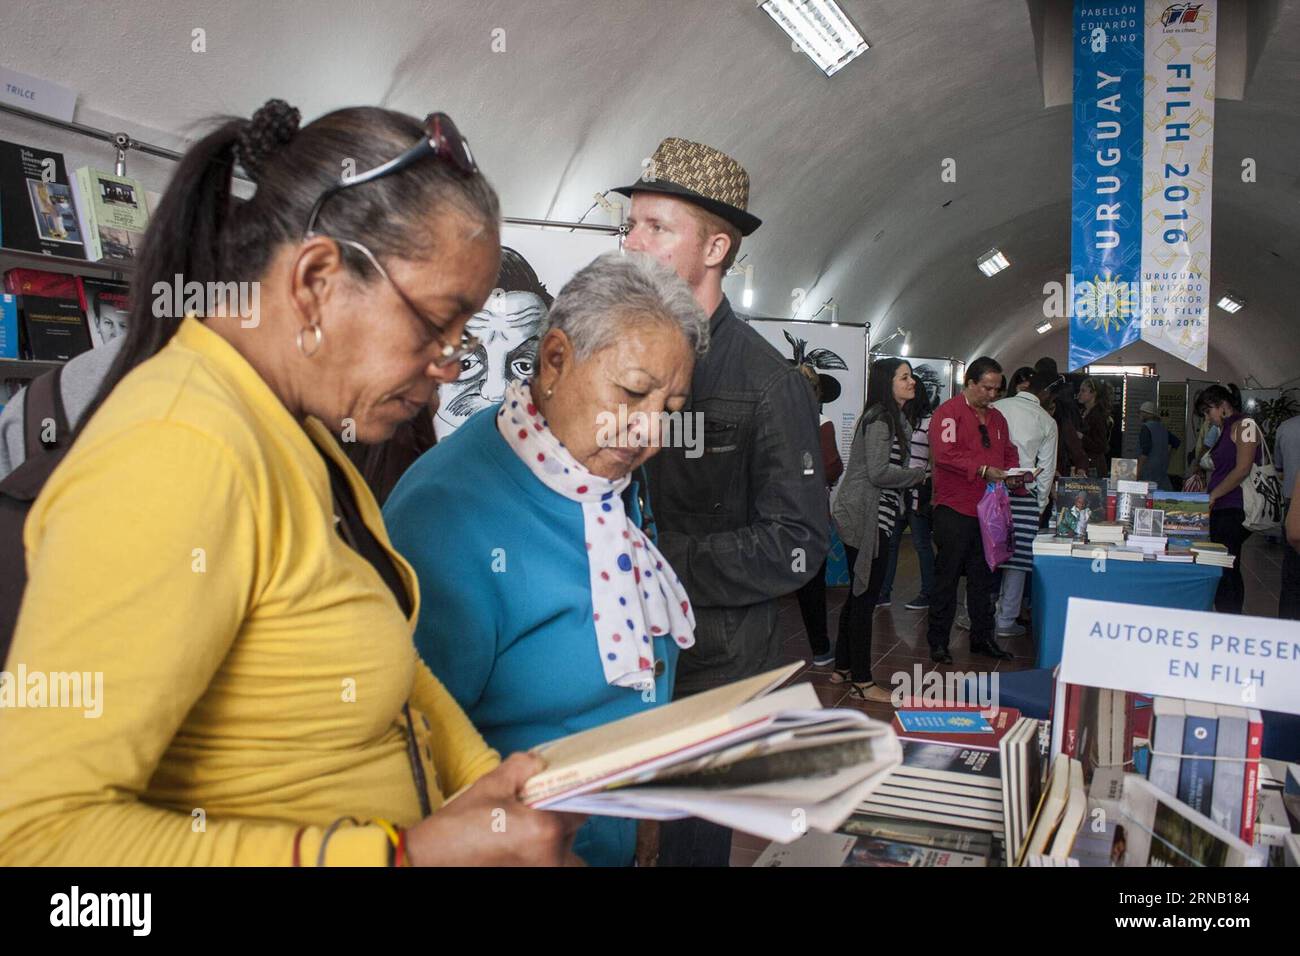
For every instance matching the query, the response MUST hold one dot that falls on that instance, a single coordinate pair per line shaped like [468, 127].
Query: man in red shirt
[972, 446]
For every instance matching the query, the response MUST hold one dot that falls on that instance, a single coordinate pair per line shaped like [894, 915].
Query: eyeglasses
[448, 354]
[984, 436]
[441, 139]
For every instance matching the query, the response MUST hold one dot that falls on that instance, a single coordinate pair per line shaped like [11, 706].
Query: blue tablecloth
[1153, 583]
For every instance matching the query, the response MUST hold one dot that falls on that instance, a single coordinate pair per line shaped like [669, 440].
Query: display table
[1153, 583]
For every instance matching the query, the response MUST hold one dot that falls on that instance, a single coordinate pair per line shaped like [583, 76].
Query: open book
[773, 763]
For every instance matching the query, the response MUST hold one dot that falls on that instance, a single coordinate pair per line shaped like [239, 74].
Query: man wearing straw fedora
[744, 523]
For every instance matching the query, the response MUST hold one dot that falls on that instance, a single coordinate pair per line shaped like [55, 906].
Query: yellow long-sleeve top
[254, 665]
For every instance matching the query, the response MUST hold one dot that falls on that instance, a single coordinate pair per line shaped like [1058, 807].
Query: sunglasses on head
[441, 139]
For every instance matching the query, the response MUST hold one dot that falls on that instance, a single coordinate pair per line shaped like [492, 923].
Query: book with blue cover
[8, 326]
[943, 722]
[1200, 739]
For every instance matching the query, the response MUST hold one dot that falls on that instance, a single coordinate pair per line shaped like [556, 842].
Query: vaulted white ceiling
[845, 171]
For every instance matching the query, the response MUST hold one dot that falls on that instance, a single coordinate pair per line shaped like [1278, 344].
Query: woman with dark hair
[1020, 380]
[917, 508]
[1236, 450]
[1097, 423]
[867, 512]
[207, 548]
[507, 327]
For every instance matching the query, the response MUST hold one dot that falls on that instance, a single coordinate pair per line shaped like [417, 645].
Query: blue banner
[1106, 180]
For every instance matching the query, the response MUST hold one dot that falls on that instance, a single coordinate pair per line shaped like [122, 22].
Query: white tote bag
[1261, 495]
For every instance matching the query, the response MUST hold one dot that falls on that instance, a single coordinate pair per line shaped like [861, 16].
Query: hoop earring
[320, 337]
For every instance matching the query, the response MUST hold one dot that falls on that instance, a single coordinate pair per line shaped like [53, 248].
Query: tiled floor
[899, 642]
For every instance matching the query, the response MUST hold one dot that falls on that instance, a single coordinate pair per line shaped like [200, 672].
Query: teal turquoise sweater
[505, 604]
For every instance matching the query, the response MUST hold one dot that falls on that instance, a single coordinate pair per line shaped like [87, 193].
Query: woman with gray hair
[544, 609]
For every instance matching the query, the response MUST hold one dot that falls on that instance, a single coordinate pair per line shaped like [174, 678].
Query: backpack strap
[44, 400]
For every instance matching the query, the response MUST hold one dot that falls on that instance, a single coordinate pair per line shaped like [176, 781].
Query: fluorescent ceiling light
[906, 348]
[992, 262]
[1231, 304]
[1045, 327]
[821, 29]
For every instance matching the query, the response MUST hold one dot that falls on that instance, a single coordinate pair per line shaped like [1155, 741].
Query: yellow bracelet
[389, 829]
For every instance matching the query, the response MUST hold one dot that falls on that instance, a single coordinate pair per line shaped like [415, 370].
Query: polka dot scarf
[635, 595]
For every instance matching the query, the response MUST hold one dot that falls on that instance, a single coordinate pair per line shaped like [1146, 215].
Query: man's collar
[719, 315]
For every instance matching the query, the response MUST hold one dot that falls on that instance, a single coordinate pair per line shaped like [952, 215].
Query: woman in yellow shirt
[208, 557]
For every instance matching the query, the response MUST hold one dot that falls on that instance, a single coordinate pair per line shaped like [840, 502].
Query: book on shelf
[10, 347]
[106, 306]
[1196, 775]
[746, 755]
[51, 320]
[37, 210]
[1077, 503]
[1187, 513]
[113, 214]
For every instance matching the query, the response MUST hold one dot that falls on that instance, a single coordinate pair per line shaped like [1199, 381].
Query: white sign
[1197, 655]
[839, 352]
[36, 95]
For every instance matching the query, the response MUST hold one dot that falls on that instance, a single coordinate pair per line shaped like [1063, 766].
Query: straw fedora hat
[702, 175]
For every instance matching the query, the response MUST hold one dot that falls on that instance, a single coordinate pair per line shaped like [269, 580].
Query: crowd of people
[332, 682]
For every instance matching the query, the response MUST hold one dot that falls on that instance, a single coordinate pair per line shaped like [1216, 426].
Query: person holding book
[871, 507]
[1237, 449]
[1034, 433]
[238, 597]
[545, 610]
[972, 449]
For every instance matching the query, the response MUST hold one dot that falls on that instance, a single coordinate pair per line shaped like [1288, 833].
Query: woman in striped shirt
[866, 510]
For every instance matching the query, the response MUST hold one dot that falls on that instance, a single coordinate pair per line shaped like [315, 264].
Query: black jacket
[743, 522]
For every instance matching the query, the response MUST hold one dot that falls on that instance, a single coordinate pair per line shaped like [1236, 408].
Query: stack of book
[1148, 544]
[1053, 545]
[1106, 532]
[1059, 816]
[1210, 552]
[1207, 756]
[1177, 554]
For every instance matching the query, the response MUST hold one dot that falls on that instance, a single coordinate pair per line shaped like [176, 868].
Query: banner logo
[1180, 13]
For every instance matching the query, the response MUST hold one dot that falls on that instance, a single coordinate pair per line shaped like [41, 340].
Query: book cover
[1200, 737]
[37, 211]
[942, 722]
[106, 306]
[8, 326]
[1187, 513]
[999, 724]
[114, 214]
[943, 762]
[919, 833]
[1230, 768]
[877, 851]
[1077, 502]
[1123, 469]
[1149, 522]
[41, 282]
[56, 329]
[1169, 715]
